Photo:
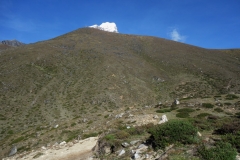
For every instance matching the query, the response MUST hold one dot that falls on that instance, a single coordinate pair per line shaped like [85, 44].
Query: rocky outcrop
[13, 43]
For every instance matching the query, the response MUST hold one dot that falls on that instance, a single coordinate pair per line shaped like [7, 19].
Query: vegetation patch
[174, 131]
[207, 105]
[38, 155]
[221, 151]
[218, 109]
[186, 110]
[164, 110]
[231, 97]
[203, 115]
[183, 115]
[17, 140]
[227, 103]
[94, 134]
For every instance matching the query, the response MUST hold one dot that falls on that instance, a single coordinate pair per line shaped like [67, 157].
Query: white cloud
[175, 35]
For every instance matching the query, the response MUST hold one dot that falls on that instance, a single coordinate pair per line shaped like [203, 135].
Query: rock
[85, 120]
[122, 152]
[119, 115]
[13, 151]
[163, 157]
[155, 117]
[107, 150]
[70, 144]
[163, 120]
[130, 115]
[134, 142]
[44, 148]
[128, 127]
[62, 143]
[199, 134]
[136, 156]
[56, 126]
[176, 102]
[169, 147]
[125, 144]
[147, 156]
[237, 157]
[142, 146]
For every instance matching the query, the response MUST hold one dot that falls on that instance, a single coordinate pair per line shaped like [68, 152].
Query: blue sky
[203, 23]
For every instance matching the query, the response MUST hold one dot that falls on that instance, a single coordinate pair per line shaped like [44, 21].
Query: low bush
[221, 151]
[189, 110]
[110, 137]
[237, 114]
[231, 97]
[182, 115]
[233, 139]
[207, 105]
[203, 115]
[122, 134]
[227, 103]
[90, 135]
[174, 131]
[17, 140]
[164, 110]
[218, 109]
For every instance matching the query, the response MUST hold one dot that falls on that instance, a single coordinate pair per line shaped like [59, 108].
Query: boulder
[163, 119]
[134, 142]
[125, 144]
[119, 115]
[13, 151]
[122, 152]
[63, 143]
[155, 117]
[176, 102]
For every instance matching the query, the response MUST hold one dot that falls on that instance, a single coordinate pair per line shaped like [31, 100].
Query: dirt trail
[79, 151]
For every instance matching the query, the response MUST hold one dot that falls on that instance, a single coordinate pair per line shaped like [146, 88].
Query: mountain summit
[107, 26]
[13, 43]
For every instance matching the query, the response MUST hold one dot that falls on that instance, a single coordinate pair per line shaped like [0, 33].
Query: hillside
[57, 85]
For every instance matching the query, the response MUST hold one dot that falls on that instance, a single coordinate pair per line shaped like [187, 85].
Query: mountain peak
[106, 26]
[13, 43]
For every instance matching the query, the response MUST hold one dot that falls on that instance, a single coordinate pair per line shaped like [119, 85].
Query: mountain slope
[89, 72]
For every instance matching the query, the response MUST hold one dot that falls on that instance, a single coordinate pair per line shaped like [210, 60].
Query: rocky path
[81, 150]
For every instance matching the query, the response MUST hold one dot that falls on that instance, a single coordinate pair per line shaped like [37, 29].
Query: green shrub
[218, 109]
[182, 115]
[17, 140]
[222, 151]
[233, 139]
[109, 137]
[10, 132]
[174, 131]
[164, 110]
[73, 124]
[203, 115]
[237, 114]
[122, 134]
[227, 103]
[90, 135]
[189, 110]
[207, 105]
[231, 97]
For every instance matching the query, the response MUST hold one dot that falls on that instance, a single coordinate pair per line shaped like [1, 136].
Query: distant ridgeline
[13, 43]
